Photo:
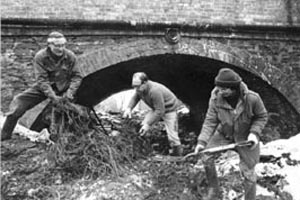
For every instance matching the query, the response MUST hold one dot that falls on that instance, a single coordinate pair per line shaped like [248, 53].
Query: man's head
[228, 82]
[139, 80]
[56, 42]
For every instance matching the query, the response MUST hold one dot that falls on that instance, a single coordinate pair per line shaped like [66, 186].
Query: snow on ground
[33, 136]
[288, 166]
[278, 147]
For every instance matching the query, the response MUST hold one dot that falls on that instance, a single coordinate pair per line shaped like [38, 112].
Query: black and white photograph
[150, 100]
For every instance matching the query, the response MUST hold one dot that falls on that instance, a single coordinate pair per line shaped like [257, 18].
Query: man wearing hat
[235, 114]
[57, 77]
[163, 103]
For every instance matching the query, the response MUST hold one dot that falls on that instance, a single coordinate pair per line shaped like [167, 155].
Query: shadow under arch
[188, 69]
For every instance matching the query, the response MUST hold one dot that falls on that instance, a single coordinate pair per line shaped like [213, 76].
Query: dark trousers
[20, 104]
[247, 171]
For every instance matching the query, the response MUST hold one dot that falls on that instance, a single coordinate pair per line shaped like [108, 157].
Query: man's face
[226, 91]
[138, 85]
[57, 47]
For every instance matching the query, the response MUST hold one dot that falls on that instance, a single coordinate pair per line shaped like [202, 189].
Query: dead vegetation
[87, 148]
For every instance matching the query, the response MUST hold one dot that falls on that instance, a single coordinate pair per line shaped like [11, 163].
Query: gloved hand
[144, 129]
[253, 138]
[199, 148]
[67, 95]
[127, 113]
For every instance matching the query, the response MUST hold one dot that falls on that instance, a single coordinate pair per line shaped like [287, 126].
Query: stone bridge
[190, 56]
[188, 68]
[180, 43]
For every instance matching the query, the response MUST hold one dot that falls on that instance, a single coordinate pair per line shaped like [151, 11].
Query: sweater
[159, 98]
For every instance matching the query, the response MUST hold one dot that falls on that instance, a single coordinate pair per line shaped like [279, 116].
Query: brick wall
[283, 54]
[250, 12]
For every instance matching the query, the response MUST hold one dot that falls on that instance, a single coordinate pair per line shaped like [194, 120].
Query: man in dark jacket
[57, 78]
[163, 103]
[235, 114]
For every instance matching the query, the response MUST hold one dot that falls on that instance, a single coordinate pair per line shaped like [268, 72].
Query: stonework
[98, 53]
[17, 58]
[115, 38]
[255, 12]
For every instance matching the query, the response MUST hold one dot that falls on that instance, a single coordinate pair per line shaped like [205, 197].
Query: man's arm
[76, 79]
[158, 108]
[260, 116]
[42, 78]
[210, 124]
[133, 101]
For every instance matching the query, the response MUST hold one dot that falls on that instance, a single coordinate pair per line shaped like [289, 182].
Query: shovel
[205, 151]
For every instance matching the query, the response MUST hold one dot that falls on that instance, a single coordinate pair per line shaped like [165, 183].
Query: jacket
[159, 98]
[56, 76]
[249, 116]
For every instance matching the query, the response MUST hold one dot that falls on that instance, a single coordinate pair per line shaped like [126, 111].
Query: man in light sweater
[163, 103]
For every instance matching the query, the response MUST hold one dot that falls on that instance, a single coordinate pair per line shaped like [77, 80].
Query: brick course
[250, 12]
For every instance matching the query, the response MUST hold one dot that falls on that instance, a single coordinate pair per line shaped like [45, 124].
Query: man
[235, 114]
[163, 103]
[57, 78]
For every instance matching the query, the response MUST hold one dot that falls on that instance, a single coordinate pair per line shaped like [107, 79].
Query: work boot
[214, 192]
[250, 190]
[177, 150]
[8, 127]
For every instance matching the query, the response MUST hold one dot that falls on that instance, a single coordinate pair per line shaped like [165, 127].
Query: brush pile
[81, 147]
[84, 148]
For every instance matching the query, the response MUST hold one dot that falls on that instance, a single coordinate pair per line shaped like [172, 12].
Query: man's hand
[253, 138]
[127, 113]
[144, 129]
[199, 148]
[67, 95]
[56, 99]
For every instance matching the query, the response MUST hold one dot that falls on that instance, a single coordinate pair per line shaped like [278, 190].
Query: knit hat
[56, 36]
[227, 78]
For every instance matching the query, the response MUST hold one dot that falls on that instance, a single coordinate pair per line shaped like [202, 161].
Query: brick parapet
[241, 12]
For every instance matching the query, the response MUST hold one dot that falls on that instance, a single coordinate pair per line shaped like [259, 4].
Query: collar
[49, 54]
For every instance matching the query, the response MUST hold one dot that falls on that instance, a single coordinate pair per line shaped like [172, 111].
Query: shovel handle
[190, 155]
[232, 146]
[245, 144]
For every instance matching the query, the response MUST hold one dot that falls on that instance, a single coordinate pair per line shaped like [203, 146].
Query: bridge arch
[188, 68]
